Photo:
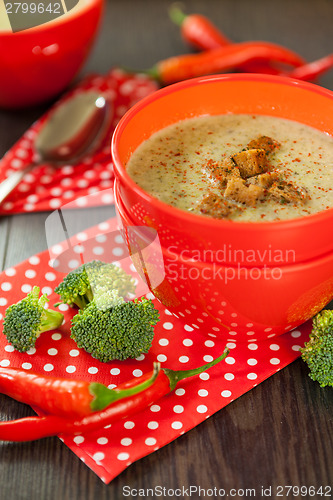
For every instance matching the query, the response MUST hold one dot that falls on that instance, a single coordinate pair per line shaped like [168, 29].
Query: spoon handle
[7, 186]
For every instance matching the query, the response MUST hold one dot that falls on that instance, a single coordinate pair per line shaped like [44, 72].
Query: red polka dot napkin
[176, 345]
[47, 187]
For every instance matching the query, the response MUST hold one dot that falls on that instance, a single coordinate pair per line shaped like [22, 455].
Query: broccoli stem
[50, 320]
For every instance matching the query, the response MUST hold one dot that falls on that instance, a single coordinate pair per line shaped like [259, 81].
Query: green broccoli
[111, 328]
[318, 351]
[81, 285]
[26, 320]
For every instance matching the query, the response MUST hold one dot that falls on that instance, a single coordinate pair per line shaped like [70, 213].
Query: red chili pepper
[30, 428]
[198, 30]
[65, 397]
[222, 59]
[202, 34]
[310, 71]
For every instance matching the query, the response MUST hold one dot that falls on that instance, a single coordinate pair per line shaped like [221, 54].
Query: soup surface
[240, 167]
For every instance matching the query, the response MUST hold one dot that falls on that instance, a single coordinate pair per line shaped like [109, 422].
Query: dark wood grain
[281, 432]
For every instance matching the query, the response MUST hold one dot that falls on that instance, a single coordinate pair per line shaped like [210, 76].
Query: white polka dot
[188, 342]
[50, 276]
[98, 250]
[202, 393]
[70, 369]
[252, 361]
[296, 348]
[226, 394]
[78, 439]
[102, 440]
[73, 264]
[56, 336]
[229, 360]
[74, 352]
[295, 334]
[253, 347]
[168, 326]
[178, 409]
[231, 345]
[123, 456]
[208, 358]
[204, 376]
[3, 301]
[152, 425]
[32, 351]
[129, 425]
[93, 370]
[26, 366]
[48, 367]
[202, 409]
[163, 342]
[274, 347]
[161, 358]
[137, 373]
[176, 425]
[274, 361]
[11, 271]
[6, 286]
[184, 359]
[155, 408]
[9, 348]
[252, 376]
[180, 392]
[229, 376]
[126, 441]
[47, 290]
[114, 371]
[150, 441]
[34, 260]
[52, 352]
[209, 343]
[188, 328]
[98, 456]
[4, 363]
[55, 203]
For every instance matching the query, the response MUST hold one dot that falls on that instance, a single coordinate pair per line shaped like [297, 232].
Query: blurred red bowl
[39, 63]
[270, 296]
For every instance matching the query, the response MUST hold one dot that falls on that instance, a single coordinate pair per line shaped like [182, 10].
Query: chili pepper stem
[176, 14]
[175, 376]
[103, 396]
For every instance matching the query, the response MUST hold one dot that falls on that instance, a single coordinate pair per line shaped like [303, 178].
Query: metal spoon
[76, 128]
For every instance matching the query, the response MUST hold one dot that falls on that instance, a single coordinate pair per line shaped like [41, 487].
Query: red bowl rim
[188, 217]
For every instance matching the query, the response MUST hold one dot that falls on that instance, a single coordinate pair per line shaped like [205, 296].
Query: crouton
[216, 206]
[238, 191]
[264, 142]
[219, 172]
[251, 162]
[286, 192]
[264, 180]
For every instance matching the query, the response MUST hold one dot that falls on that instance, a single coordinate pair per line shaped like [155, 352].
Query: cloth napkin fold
[47, 187]
[176, 345]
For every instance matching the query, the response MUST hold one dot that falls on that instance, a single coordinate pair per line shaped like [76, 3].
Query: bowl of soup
[234, 174]
[40, 62]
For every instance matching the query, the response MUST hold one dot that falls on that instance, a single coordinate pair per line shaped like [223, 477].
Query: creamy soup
[240, 167]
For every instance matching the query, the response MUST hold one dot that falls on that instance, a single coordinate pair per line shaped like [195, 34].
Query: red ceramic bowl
[304, 238]
[38, 63]
[234, 298]
[237, 302]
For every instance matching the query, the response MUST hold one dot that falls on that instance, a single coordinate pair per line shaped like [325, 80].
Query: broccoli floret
[26, 320]
[124, 330]
[81, 285]
[318, 351]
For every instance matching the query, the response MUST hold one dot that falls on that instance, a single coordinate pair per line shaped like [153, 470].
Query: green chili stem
[175, 376]
[103, 396]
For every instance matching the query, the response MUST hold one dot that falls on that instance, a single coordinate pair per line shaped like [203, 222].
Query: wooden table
[281, 432]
